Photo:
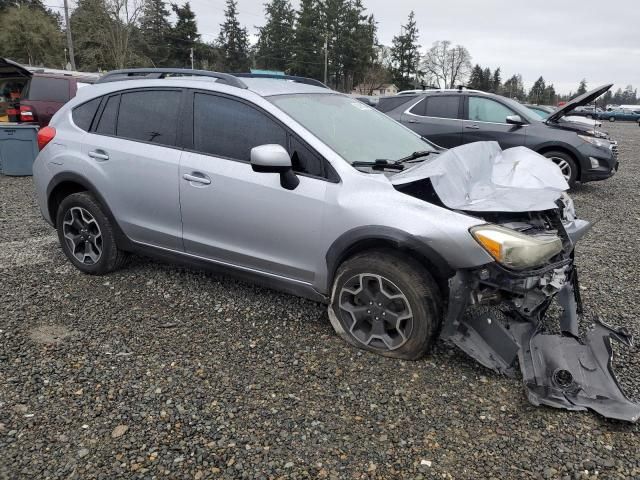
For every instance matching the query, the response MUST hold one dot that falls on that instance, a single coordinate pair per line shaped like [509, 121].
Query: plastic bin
[18, 148]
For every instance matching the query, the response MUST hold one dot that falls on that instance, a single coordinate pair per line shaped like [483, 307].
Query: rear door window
[149, 116]
[107, 123]
[443, 107]
[229, 128]
[48, 89]
[83, 115]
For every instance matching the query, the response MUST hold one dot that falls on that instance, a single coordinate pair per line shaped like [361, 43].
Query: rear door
[486, 121]
[133, 161]
[437, 118]
[235, 216]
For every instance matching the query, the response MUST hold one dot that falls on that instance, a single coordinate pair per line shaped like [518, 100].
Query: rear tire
[87, 236]
[567, 165]
[386, 302]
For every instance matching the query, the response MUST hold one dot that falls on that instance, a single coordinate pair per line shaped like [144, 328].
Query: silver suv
[287, 183]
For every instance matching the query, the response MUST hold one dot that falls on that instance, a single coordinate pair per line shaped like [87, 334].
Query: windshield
[539, 113]
[355, 131]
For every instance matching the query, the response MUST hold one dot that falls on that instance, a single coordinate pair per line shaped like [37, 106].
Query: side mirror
[515, 120]
[272, 158]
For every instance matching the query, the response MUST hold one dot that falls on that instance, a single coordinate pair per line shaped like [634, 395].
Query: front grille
[614, 149]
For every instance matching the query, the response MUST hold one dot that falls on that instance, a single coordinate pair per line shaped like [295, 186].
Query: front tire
[386, 302]
[87, 236]
[612, 119]
[566, 164]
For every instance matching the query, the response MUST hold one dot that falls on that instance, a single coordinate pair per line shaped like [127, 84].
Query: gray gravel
[162, 372]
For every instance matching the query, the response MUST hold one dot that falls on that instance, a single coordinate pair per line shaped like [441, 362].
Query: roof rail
[291, 78]
[158, 73]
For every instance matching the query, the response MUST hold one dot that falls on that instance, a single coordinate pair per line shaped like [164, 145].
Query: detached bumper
[561, 370]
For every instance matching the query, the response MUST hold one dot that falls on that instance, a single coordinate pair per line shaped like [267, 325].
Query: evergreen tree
[90, 23]
[514, 88]
[536, 94]
[183, 36]
[582, 88]
[233, 40]
[405, 54]
[274, 49]
[156, 33]
[475, 80]
[308, 47]
[496, 81]
[549, 95]
[486, 80]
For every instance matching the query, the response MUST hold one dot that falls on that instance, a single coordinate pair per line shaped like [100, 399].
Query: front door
[486, 121]
[242, 218]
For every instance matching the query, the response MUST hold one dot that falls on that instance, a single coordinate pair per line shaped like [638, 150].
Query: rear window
[150, 116]
[48, 89]
[83, 115]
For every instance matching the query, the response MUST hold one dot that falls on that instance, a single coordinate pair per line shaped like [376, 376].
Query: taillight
[45, 135]
[26, 113]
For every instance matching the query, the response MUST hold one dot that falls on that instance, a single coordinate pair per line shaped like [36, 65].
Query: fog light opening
[563, 378]
[594, 162]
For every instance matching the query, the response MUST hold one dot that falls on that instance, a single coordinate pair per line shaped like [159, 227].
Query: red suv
[34, 96]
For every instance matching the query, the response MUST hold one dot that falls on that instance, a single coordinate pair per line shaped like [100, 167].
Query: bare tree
[124, 15]
[447, 65]
[374, 78]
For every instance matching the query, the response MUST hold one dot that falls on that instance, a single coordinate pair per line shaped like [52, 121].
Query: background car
[454, 117]
[625, 114]
[33, 96]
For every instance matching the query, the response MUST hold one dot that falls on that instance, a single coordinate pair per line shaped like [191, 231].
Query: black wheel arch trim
[122, 240]
[375, 236]
[578, 157]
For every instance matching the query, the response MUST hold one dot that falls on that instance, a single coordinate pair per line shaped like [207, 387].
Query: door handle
[197, 178]
[472, 127]
[99, 155]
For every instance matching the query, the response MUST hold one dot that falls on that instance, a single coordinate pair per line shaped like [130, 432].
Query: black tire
[559, 157]
[413, 281]
[110, 257]
[612, 119]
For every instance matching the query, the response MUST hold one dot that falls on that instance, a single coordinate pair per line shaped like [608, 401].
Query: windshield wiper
[415, 156]
[380, 164]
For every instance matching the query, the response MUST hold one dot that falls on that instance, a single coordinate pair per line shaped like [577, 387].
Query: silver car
[302, 189]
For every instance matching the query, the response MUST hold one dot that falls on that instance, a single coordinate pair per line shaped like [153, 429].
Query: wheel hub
[82, 235]
[375, 311]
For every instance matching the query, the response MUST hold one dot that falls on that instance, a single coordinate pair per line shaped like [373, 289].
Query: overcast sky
[562, 40]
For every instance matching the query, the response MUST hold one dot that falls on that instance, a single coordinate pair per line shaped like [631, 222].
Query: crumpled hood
[482, 177]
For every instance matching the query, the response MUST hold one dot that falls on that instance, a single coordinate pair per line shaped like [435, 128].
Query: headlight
[598, 142]
[514, 249]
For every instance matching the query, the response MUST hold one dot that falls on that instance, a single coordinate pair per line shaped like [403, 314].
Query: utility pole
[191, 58]
[326, 55]
[72, 59]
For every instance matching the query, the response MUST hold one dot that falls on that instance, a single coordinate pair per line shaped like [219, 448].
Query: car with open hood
[288, 184]
[33, 95]
[456, 117]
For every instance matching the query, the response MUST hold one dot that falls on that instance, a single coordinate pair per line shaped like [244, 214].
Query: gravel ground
[162, 372]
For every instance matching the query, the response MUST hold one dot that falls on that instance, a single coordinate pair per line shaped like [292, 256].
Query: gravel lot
[163, 372]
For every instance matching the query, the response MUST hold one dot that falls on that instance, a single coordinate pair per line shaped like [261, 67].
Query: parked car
[543, 111]
[455, 117]
[33, 97]
[586, 111]
[306, 190]
[626, 114]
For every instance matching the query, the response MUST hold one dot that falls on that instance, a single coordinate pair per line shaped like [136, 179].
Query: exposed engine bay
[498, 313]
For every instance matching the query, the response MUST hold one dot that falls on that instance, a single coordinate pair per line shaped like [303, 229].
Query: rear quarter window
[48, 89]
[83, 115]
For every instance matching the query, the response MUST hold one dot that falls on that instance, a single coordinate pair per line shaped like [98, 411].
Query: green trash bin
[18, 148]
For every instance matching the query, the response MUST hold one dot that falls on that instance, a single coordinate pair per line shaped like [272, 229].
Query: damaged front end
[498, 316]
[498, 313]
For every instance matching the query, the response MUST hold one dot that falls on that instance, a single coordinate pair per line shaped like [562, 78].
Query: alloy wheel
[564, 166]
[82, 235]
[375, 311]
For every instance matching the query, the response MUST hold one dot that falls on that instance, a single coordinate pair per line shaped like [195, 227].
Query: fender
[369, 236]
[122, 240]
